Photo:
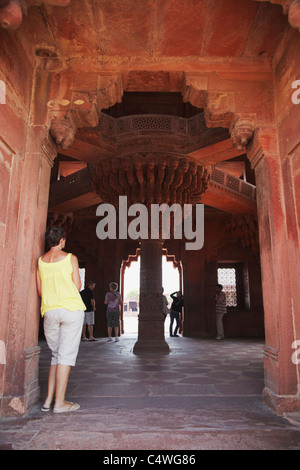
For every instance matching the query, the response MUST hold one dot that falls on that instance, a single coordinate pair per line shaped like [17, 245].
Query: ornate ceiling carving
[151, 179]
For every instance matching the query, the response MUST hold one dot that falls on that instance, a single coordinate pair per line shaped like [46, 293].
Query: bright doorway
[170, 281]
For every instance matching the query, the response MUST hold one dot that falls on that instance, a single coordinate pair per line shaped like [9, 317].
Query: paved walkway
[205, 394]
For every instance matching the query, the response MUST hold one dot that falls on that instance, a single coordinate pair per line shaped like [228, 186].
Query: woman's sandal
[70, 407]
[45, 408]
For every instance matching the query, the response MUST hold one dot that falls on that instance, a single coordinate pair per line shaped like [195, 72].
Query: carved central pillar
[151, 320]
[146, 179]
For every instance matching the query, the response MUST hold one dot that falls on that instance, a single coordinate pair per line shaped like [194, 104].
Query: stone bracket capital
[62, 130]
[241, 130]
[294, 14]
[263, 144]
[218, 106]
[83, 107]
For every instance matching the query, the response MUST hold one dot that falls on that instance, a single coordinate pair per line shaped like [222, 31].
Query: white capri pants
[62, 330]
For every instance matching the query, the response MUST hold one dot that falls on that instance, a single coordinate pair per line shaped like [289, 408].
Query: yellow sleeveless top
[57, 287]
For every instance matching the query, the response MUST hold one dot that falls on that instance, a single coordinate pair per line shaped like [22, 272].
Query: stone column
[151, 321]
[278, 270]
[20, 376]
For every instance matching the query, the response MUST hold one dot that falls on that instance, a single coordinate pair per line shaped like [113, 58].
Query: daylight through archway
[171, 283]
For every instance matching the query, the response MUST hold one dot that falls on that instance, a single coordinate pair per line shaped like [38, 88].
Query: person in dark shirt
[221, 310]
[87, 296]
[175, 312]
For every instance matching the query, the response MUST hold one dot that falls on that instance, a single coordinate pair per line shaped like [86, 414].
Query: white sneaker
[117, 339]
[109, 340]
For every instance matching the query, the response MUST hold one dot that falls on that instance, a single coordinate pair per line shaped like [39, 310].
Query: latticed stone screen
[227, 277]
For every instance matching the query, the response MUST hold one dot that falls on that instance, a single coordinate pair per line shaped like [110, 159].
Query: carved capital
[149, 178]
[263, 143]
[242, 131]
[218, 106]
[62, 130]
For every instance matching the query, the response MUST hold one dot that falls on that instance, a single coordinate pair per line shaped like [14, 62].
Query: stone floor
[204, 395]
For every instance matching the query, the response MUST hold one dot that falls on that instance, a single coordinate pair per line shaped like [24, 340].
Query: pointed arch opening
[130, 288]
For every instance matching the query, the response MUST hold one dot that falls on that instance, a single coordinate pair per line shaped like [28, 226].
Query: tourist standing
[58, 284]
[87, 296]
[175, 312]
[113, 301]
[221, 310]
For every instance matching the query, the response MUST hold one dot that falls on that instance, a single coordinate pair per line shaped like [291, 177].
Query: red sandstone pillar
[151, 321]
[279, 250]
[20, 375]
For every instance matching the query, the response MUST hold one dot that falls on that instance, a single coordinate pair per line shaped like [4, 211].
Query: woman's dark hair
[54, 235]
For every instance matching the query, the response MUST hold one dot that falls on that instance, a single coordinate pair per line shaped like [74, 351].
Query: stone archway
[240, 95]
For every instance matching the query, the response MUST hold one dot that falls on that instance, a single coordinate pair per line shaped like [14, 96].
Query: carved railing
[190, 128]
[232, 182]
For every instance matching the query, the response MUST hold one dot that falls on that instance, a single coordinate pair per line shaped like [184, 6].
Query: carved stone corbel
[242, 130]
[219, 109]
[294, 14]
[62, 130]
[218, 106]
[11, 13]
[194, 90]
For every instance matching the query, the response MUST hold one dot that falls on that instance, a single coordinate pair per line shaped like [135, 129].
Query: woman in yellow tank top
[58, 284]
